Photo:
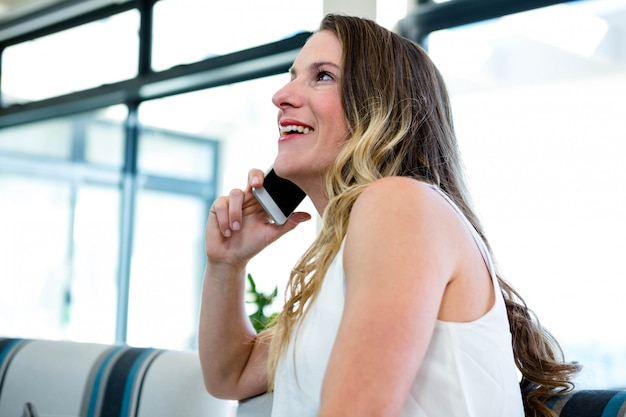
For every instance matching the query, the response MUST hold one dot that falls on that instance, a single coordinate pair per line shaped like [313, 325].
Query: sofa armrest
[63, 378]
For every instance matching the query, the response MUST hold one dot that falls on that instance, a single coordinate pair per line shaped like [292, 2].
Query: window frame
[430, 16]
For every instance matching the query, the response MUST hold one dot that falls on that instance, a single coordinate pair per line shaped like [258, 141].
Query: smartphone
[278, 196]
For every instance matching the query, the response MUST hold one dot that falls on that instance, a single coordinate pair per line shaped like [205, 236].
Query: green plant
[259, 320]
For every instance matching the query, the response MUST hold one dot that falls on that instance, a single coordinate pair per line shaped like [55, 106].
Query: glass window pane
[95, 137]
[35, 217]
[87, 56]
[167, 264]
[50, 138]
[92, 309]
[105, 138]
[538, 100]
[212, 28]
[58, 266]
[175, 155]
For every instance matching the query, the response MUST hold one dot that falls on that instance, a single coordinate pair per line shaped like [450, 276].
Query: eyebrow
[315, 65]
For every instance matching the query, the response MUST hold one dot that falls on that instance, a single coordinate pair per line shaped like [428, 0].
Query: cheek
[341, 128]
[335, 134]
[337, 119]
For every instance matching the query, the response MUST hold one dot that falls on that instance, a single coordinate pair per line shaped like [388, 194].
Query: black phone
[278, 197]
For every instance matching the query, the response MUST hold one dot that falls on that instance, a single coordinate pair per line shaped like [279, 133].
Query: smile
[288, 129]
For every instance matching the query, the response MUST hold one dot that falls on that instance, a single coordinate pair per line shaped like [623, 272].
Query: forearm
[227, 340]
[233, 358]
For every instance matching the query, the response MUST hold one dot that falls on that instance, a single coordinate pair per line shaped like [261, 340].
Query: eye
[324, 76]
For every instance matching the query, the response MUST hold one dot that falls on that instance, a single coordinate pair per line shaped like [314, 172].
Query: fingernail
[227, 233]
[255, 181]
[236, 226]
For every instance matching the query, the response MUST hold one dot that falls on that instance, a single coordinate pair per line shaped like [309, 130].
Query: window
[49, 139]
[101, 52]
[68, 205]
[538, 99]
[207, 30]
[59, 230]
[90, 307]
[34, 247]
[166, 272]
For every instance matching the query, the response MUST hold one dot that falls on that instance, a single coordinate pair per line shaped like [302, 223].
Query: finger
[220, 208]
[235, 203]
[255, 178]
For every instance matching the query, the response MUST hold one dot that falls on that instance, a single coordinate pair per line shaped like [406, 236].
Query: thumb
[294, 220]
[299, 217]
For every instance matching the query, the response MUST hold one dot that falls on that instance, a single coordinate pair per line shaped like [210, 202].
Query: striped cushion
[95, 380]
[590, 403]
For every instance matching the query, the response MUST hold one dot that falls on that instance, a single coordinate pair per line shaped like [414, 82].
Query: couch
[583, 403]
[72, 379]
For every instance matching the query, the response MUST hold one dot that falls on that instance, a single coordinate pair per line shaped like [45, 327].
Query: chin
[291, 172]
[282, 168]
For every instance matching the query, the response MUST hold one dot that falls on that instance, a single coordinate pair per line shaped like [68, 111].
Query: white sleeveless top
[468, 370]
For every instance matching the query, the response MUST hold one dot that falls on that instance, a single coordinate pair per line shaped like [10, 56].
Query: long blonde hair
[400, 124]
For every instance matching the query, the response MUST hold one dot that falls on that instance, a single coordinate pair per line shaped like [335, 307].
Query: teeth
[295, 128]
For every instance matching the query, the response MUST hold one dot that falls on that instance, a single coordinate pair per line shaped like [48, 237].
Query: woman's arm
[233, 357]
[399, 257]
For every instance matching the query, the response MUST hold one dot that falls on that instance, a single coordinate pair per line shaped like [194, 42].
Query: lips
[290, 127]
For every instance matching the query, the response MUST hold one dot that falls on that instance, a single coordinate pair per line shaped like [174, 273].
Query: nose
[287, 96]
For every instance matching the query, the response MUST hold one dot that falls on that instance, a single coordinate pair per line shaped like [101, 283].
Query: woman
[395, 309]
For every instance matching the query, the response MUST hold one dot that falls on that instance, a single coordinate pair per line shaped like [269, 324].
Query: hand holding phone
[278, 197]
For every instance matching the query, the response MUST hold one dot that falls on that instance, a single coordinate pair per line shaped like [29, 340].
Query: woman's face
[310, 116]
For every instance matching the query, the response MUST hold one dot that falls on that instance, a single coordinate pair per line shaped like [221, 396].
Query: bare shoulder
[396, 195]
[402, 220]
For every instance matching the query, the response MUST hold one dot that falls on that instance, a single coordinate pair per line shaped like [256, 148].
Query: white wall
[385, 12]
[361, 8]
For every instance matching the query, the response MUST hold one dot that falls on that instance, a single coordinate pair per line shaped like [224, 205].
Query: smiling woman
[398, 291]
